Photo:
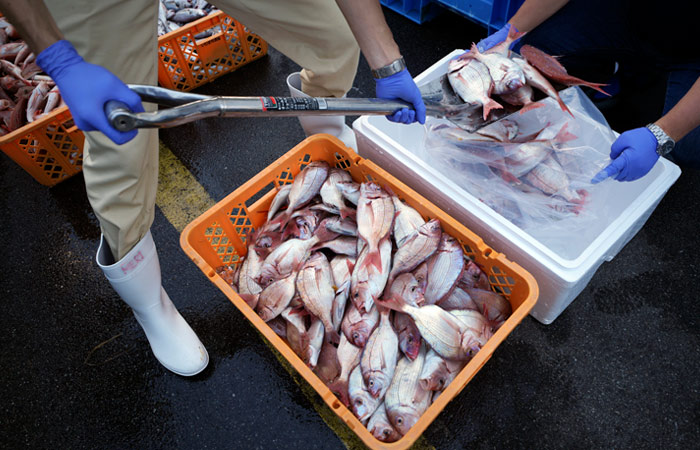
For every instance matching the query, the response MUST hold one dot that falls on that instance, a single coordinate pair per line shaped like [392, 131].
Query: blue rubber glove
[495, 39]
[400, 86]
[633, 155]
[86, 88]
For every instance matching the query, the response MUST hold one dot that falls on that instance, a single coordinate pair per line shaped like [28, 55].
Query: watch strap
[662, 139]
[390, 69]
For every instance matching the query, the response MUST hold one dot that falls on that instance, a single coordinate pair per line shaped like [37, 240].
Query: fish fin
[323, 234]
[347, 212]
[340, 389]
[490, 105]
[392, 302]
[250, 299]
[531, 106]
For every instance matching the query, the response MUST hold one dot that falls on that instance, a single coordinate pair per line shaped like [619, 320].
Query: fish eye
[357, 294]
[413, 289]
[371, 383]
[358, 402]
[399, 420]
[386, 433]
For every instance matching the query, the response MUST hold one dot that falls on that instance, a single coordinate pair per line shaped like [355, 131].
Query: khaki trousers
[121, 35]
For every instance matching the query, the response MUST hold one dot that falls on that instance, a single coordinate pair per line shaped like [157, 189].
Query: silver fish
[492, 305]
[276, 297]
[550, 178]
[306, 186]
[375, 220]
[314, 343]
[458, 299]
[350, 191]
[537, 80]
[472, 81]
[437, 372]
[416, 248]
[341, 268]
[281, 198]
[346, 227]
[328, 367]
[362, 402]
[348, 358]
[507, 75]
[315, 286]
[406, 400]
[379, 357]
[480, 327]
[408, 220]
[250, 268]
[444, 269]
[380, 426]
[331, 194]
[445, 333]
[357, 326]
[367, 282]
[409, 335]
[288, 257]
[344, 245]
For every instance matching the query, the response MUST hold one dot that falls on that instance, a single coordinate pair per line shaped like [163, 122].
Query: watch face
[666, 147]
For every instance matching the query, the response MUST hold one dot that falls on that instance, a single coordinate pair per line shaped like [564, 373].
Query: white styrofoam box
[560, 273]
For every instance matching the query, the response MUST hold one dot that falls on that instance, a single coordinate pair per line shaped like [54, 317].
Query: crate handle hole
[487, 252]
[336, 404]
[211, 274]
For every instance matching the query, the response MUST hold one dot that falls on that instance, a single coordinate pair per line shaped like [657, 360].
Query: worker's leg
[121, 180]
[686, 153]
[315, 35]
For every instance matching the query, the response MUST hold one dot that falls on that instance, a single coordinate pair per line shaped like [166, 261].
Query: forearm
[366, 20]
[685, 116]
[534, 12]
[33, 21]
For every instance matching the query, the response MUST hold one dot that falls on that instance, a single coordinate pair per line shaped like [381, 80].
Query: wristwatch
[394, 67]
[664, 142]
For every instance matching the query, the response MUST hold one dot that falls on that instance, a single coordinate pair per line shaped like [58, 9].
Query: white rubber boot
[136, 278]
[334, 125]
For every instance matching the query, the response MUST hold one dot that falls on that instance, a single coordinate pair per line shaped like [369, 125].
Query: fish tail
[374, 257]
[563, 135]
[340, 389]
[596, 86]
[489, 105]
[563, 106]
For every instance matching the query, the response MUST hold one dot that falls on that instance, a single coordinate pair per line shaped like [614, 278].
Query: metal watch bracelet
[390, 69]
[662, 138]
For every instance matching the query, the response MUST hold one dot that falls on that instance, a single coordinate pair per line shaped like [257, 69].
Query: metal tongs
[440, 100]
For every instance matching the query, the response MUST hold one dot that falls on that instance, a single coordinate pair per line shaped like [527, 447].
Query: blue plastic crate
[492, 14]
[418, 11]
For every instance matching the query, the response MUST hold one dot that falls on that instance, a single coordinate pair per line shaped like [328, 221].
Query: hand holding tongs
[440, 101]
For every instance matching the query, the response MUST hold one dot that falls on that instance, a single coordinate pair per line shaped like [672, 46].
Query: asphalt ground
[618, 369]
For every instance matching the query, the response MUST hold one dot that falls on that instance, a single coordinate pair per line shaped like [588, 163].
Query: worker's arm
[533, 12]
[368, 25]
[33, 21]
[634, 152]
[530, 14]
[85, 87]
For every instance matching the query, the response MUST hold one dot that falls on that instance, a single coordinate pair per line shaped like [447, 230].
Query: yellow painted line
[182, 199]
[179, 196]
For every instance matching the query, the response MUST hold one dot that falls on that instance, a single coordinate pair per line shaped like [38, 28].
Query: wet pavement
[618, 369]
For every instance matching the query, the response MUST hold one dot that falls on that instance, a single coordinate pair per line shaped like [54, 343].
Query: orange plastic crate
[185, 63]
[50, 149]
[218, 237]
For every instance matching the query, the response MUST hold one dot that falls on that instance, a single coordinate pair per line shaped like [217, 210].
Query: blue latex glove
[400, 86]
[86, 88]
[495, 39]
[633, 155]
